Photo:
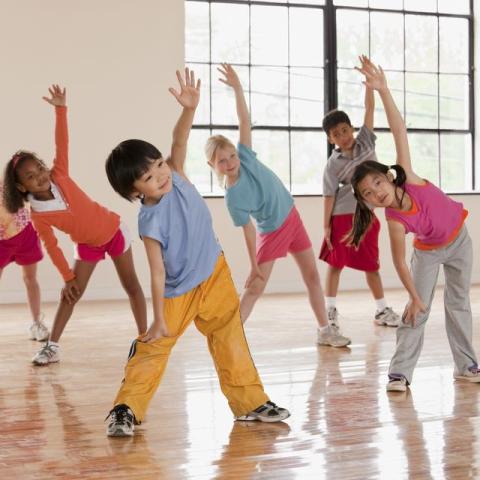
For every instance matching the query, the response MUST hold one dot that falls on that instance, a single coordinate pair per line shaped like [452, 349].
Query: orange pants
[214, 306]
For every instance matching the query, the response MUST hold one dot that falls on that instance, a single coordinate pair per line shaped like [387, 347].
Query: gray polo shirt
[339, 170]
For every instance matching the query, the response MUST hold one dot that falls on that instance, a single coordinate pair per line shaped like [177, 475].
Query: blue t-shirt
[182, 223]
[258, 192]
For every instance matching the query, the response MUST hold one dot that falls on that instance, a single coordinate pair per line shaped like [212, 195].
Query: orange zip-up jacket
[84, 220]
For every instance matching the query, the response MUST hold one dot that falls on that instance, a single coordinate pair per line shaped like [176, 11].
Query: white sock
[331, 302]
[323, 329]
[381, 304]
[54, 344]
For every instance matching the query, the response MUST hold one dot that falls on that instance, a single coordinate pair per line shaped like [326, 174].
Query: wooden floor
[343, 424]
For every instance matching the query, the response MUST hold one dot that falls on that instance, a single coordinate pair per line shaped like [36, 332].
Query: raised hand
[230, 76]
[374, 76]
[189, 94]
[58, 97]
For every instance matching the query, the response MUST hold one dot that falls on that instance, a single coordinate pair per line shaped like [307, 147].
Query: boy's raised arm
[188, 97]
[244, 125]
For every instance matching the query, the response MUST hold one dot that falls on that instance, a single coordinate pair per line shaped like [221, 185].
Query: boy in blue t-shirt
[189, 276]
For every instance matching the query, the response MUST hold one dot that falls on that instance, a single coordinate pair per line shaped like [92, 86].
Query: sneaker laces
[48, 350]
[119, 414]
[475, 370]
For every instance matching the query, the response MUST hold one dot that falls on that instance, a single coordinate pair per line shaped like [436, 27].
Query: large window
[296, 59]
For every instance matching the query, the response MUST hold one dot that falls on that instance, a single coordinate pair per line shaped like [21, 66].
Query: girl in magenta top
[414, 205]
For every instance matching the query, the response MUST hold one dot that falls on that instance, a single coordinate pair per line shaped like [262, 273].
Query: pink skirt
[23, 249]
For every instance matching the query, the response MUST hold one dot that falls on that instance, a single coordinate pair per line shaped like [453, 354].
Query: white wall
[117, 58]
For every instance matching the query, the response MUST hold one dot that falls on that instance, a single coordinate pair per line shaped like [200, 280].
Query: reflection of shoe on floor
[387, 318]
[472, 375]
[397, 385]
[268, 412]
[121, 421]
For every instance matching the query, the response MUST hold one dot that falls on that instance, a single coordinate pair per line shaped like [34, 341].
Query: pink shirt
[12, 224]
[434, 218]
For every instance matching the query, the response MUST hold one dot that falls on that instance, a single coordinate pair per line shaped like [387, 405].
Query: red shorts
[291, 237]
[23, 249]
[115, 247]
[365, 258]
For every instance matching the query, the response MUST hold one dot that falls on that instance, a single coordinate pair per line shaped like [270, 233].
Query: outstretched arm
[231, 79]
[369, 103]
[188, 97]
[375, 79]
[58, 98]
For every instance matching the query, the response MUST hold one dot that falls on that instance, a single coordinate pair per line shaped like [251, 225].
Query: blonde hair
[213, 144]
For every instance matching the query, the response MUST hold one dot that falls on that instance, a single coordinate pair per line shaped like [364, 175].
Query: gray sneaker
[472, 375]
[121, 422]
[388, 318]
[47, 354]
[332, 337]
[397, 385]
[268, 412]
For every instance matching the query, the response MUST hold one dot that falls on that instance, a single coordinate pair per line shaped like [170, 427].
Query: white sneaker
[268, 412]
[387, 317]
[332, 337]
[472, 375]
[121, 422]
[38, 331]
[332, 315]
[47, 354]
[397, 385]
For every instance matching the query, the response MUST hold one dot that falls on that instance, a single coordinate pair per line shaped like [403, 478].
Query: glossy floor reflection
[343, 424]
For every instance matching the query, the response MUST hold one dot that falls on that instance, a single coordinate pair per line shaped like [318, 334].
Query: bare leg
[83, 271]
[374, 282]
[33, 290]
[255, 290]
[131, 285]
[332, 281]
[308, 267]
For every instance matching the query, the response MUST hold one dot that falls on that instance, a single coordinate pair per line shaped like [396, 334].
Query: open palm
[58, 97]
[374, 76]
[189, 94]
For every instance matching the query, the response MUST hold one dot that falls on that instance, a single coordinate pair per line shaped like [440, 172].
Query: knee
[30, 279]
[256, 288]
[311, 278]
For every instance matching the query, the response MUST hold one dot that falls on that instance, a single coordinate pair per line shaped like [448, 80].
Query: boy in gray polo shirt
[339, 207]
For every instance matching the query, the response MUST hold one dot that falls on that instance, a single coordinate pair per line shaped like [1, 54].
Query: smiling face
[341, 135]
[377, 190]
[226, 162]
[34, 177]
[155, 182]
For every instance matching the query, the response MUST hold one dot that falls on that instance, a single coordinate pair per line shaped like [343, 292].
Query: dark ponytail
[13, 199]
[363, 213]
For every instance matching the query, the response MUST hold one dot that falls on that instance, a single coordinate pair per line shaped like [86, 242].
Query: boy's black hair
[363, 214]
[128, 161]
[13, 199]
[333, 118]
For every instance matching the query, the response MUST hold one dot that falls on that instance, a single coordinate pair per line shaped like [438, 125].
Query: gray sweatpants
[457, 265]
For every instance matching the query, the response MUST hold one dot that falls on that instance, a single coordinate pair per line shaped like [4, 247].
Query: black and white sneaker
[268, 412]
[121, 421]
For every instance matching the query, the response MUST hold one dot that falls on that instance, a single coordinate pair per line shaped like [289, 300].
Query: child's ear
[21, 187]
[330, 141]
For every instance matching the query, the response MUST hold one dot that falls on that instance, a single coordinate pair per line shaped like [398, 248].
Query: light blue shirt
[259, 193]
[182, 223]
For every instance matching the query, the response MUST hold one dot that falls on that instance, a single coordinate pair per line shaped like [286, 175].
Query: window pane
[421, 100]
[396, 85]
[387, 4]
[306, 37]
[421, 50]
[230, 27]
[306, 97]
[456, 154]
[352, 3]
[453, 45]
[457, 6]
[352, 36]
[385, 148]
[386, 33]
[197, 43]
[422, 6]
[269, 39]
[454, 111]
[272, 149]
[269, 95]
[310, 2]
[202, 115]
[196, 164]
[223, 98]
[424, 153]
[351, 95]
[309, 158]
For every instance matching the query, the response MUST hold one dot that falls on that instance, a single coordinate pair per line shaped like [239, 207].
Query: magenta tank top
[434, 218]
